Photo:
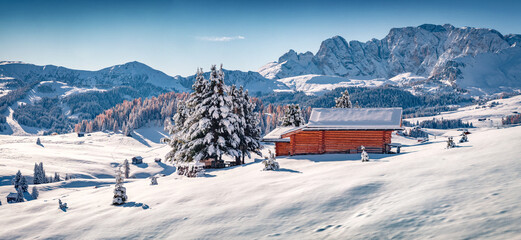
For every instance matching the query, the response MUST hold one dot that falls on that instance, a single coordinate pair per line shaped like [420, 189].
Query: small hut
[11, 198]
[339, 130]
[137, 160]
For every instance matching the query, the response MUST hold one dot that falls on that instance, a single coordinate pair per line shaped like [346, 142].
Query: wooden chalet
[339, 130]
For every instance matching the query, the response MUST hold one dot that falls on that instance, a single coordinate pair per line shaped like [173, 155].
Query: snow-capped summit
[427, 51]
[421, 50]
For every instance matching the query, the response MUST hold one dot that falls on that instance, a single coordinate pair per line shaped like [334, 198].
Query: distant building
[339, 130]
[137, 160]
[11, 198]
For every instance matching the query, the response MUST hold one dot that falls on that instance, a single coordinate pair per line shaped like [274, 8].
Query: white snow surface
[469, 192]
[313, 84]
[492, 113]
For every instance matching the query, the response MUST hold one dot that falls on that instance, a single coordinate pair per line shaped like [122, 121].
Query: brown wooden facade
[333, 141]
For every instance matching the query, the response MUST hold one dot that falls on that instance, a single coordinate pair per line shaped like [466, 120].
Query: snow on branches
[215, 120]
[343, 101]
[292, 116]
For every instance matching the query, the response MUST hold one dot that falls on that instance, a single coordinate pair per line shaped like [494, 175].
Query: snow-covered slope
[470, 192]
[317, 84]
[490, 112]
[427, 51]
[133, 74]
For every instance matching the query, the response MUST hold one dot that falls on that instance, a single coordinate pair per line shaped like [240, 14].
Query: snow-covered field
[470, 192]
[490, 112]
[318, 84]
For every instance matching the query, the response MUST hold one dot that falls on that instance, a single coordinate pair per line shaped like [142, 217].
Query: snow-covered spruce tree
[211, 125]
[238, 107]
[184, 118]
[36, 174]
[35, 193]
[252, 131]
[177, 133]
[56, 177]
[292, 116]
[364, 155]
[17, 178]
[23, 184]
[19, 194]
[126, 168]
[120, 192]
[42, 177]
[343, 101]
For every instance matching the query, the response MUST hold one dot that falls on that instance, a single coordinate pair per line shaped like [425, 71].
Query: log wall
[282, 148]
[334, 141]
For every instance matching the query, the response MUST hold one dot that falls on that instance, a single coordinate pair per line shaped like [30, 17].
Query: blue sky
[177, 36]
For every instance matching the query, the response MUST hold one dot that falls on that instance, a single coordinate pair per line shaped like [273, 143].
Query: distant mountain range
[480, 60]
[133, 74]
[426, 58]
[474, 61]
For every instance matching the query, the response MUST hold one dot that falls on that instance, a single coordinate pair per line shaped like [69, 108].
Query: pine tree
[42, 176]
[120, 192]
[252, 132]
[36, 174]
[177, 134]
[19, 194]
[181, 130]
[23, 184]
[211, 124]
[292, 116]
[17, 179]
[126, 168]
[343, 101]
[35, 193]
[238, 108]
[56, 177]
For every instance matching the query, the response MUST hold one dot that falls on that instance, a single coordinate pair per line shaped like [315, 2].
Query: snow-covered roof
[276, 134]
[355, 118]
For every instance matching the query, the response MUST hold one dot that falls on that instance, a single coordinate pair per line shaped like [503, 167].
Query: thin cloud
[221, 39]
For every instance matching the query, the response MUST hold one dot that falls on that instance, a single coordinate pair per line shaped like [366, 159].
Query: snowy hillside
[130, 74]
[317, 84]
[490, 112]
[427, 51]
[470, 192]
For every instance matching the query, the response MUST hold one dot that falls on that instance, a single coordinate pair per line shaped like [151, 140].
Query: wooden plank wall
[340, 141]
[282, 148]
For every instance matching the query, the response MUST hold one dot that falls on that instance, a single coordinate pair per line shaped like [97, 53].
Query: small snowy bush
[270, 163]
[450, 143]
[62, 205]
[364, 155]
[464, 137]
[153, 180]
